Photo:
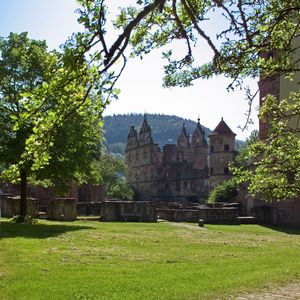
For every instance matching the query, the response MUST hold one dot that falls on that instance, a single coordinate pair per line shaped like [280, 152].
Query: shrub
[27, 220]
[224, 192]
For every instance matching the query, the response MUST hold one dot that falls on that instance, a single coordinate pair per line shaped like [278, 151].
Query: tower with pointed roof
[221, 153]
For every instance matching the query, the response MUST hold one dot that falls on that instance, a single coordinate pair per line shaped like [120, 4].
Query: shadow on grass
[287, 230]
[36, 231]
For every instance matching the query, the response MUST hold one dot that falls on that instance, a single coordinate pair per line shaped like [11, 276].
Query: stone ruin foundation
[88, 208]
[10, 206]
[62, 209]
[135, 211]
[220, 215]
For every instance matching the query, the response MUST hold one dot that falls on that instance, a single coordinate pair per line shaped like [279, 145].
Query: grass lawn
[94, 260]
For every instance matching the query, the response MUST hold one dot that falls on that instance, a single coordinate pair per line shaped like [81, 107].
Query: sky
[141, 82]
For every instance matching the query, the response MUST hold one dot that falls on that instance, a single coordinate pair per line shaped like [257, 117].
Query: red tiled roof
[222, 128]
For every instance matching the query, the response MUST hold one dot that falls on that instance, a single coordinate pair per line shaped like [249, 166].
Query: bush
[27, 220]
[224, 192]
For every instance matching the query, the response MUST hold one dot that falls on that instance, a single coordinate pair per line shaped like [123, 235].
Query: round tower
[221, 153]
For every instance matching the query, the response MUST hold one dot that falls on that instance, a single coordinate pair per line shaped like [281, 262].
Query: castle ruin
[184, 171]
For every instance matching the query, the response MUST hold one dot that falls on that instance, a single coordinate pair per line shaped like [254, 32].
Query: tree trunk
[23, 194]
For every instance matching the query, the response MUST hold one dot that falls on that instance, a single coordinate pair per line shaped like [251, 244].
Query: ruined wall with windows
[179, 171]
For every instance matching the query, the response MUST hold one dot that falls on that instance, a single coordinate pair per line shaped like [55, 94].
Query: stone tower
[221, 142]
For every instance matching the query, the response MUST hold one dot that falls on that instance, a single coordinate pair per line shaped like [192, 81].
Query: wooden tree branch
[101, 22]
[124, 37]
[181, 28]
[198, 29]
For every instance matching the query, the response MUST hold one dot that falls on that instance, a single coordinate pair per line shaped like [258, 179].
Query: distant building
[183, 171]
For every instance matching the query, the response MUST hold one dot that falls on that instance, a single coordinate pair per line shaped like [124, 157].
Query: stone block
[88, 208]
[201, 223]
[62, 209]
[139, 211]
[10, 206]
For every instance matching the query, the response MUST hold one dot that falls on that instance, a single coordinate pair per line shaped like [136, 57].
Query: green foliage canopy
[249, 28]
[273, 169]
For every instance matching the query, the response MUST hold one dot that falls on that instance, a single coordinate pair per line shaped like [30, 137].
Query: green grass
[94, 260]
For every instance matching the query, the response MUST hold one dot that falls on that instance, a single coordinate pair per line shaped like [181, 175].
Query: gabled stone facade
[180, 171]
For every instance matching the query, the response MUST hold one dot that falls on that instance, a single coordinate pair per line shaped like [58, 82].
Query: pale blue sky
[141, 91]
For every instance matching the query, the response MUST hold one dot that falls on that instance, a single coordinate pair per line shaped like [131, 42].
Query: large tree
[50, 112]
[249, 30]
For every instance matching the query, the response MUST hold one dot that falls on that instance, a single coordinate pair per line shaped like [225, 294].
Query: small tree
[111, 170]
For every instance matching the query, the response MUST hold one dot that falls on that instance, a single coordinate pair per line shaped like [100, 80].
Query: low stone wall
[226, 215]
[178, 215]
[139, 211]
[88, 209]
[287, 213]
[283, 213]
[63, 209]
[10, 206]
[262, 214]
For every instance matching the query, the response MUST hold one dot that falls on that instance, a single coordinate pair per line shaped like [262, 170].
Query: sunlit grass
[94, 260]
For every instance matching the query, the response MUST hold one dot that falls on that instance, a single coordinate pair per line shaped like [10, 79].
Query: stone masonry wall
[287, 213]
[209, 215]
[141, 211]
[63, 209]
[10, 206]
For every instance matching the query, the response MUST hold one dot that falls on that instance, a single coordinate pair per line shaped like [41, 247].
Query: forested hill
[165, 129]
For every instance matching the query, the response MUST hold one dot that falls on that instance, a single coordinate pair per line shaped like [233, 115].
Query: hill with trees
[165, 129]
